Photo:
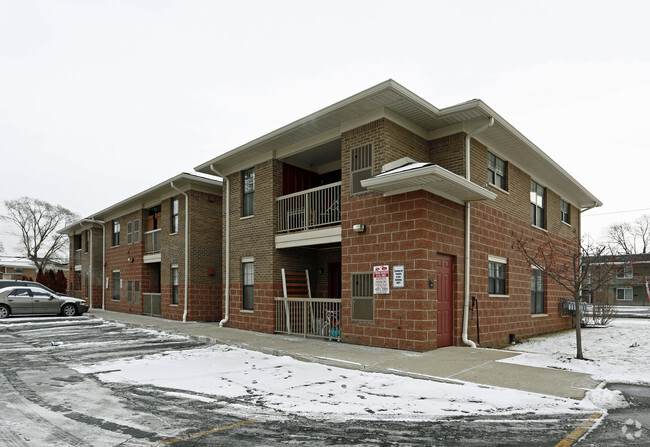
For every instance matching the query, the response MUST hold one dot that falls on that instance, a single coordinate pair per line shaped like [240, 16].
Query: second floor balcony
[310, 209]
[152, 241]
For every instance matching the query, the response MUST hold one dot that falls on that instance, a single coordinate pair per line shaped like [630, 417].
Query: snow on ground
[618, 353]
[288, 385]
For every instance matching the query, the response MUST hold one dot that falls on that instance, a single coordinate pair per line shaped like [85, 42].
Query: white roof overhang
[431, 178]
[394, 102]
[146, 199]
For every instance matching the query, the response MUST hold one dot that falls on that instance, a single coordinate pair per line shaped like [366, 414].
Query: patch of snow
[288, 385]
[617, 353]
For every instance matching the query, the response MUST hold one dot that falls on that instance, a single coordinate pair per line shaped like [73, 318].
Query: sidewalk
[453, 364]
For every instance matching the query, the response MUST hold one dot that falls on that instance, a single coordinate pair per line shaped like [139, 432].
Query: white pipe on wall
[187, 249]
[227, 243]
[468, 233]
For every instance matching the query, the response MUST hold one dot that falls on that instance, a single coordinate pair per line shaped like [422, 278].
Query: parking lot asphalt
[450, 364]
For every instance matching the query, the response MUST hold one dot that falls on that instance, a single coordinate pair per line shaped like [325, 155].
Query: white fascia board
[305, 238]
[478, 104]
[368, 93]
[425, 177]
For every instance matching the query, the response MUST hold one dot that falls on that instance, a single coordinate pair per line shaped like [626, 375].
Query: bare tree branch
[38, 222]
[574, 265]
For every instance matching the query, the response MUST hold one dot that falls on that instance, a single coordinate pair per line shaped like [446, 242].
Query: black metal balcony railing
[309, 209]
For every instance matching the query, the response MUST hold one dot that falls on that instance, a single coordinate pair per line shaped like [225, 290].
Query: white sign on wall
[398, 276]
[381, 280]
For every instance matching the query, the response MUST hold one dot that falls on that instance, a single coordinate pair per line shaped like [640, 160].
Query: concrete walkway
[451, 364]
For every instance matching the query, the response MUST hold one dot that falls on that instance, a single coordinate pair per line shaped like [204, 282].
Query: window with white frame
[624, 294]
[115, 241]
[537, 301]
[496, 171]
[537, 203]
[136, 231]
[174, 284]
[248, 283]
[129, 291]
[497, 275]
[174, 207]
[625, 272]
[248, 192]
[564, 212]
[360, 167]
[136, 292]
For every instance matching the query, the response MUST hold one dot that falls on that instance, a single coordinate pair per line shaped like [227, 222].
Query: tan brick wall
[254, 236]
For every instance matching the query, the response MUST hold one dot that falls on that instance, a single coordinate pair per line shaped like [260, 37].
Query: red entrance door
[444, 280]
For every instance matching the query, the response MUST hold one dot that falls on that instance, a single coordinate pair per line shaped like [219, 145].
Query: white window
[174, 223]
[537, 201]
[360, 167]
[174, 284]
[116, 233]
[625, 272]
[248, 283]
[537, 301]
[496, 171]
[624, 294]
[248, 192]
[564, 212]
[497, 275]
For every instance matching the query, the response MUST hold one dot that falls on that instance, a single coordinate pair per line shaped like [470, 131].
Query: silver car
[20, 300]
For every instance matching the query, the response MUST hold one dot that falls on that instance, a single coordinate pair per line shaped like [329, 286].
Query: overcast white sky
[100, 100]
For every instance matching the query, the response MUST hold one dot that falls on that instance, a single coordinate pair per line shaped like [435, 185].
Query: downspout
[187, 248]
[227, 182]
[468, 233]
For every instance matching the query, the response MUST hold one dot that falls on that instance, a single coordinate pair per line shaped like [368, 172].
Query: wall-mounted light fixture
[359, 228]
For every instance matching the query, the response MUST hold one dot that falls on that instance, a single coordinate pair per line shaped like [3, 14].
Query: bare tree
[630, 238]
[38, 222]
[572, 264]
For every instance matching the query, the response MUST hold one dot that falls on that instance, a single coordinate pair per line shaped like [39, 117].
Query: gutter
[227, 293]
[468, 233]
[187, 241]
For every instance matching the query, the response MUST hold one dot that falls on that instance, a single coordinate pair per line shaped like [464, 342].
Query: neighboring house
[376, 197]
[133, 257]
[627, 286]
[17, 267]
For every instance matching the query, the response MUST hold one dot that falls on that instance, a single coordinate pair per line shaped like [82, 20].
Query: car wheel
[69, 310]
[4, 311]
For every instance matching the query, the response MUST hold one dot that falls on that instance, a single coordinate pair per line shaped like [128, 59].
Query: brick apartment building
[629, 284]
[146, 254]
[401, 213]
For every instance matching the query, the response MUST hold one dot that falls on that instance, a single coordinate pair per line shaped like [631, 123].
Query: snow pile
[618, 353]
[288, 385]
[607, 399]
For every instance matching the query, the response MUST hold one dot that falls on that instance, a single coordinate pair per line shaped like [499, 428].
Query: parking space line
[203, 433]
[579, 431]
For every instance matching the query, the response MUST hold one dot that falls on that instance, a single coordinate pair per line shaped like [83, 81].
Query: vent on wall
[362, 297]
[360, 167]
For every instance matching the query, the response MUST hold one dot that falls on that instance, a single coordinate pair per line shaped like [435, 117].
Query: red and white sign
[381, 280]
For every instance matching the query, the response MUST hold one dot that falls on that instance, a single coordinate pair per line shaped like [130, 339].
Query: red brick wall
[406, 229]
